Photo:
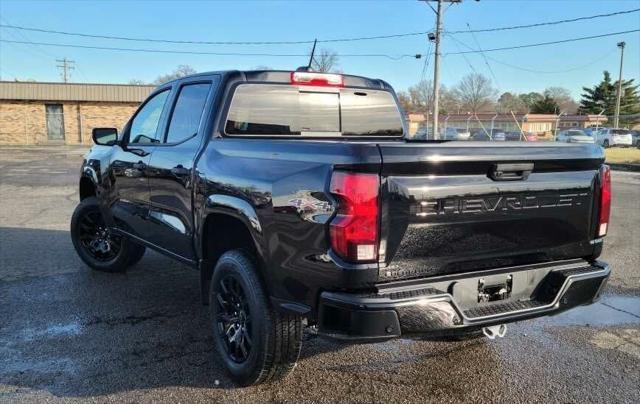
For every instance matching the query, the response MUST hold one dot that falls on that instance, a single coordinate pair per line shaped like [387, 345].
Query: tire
[269, 342]
[136, 254]
[605, 144]
[120, 253]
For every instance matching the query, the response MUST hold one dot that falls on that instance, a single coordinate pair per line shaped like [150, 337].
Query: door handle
[139, 165]
[511, 172]
[180, 170]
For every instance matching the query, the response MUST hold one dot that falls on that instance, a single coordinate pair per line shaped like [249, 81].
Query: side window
[145, 124]
[187, 112]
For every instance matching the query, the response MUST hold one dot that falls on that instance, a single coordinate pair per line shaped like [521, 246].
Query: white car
[608, 137]
[457, 134]
[573, 136]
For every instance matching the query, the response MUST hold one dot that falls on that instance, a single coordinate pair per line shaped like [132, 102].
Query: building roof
[501, 117]
[415, 117]
[38, 91]
[588, 118]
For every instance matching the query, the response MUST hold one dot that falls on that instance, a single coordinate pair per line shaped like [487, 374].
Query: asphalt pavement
[70, 334]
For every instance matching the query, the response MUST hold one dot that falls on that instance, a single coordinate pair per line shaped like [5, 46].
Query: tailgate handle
[511, 171]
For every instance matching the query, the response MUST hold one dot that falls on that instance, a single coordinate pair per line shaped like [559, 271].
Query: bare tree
[326, 61]
[563, 98]
[449, 102]
[511, 102]
[180, 71]
[421, 95]
[137, 82]
[475, 93]
[405, 101]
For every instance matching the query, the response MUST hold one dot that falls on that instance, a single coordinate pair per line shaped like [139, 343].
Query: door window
[187, 112]
[144, 126]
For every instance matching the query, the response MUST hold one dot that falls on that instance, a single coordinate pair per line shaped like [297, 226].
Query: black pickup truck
[302, 202]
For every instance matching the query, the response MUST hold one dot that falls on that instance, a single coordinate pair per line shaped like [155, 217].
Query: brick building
[63, 113]
[540, 124]
[582, 121]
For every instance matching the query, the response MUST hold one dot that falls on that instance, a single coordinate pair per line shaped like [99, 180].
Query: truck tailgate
[464, 206]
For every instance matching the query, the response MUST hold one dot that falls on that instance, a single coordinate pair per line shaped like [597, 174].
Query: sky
[570, 65]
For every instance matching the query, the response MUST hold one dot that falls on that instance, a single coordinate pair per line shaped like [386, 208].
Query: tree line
[475, 93]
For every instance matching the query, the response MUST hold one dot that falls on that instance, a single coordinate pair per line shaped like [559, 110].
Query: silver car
[457, 134]
[574, 136]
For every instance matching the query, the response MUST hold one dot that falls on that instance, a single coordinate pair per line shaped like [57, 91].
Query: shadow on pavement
[75, 332]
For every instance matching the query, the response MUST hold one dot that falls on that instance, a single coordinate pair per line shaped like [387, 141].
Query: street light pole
[616, 118]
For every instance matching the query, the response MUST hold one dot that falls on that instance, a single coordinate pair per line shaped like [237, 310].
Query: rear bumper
[429, 308]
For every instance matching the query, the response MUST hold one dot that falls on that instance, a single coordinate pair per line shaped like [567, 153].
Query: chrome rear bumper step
[428, 308]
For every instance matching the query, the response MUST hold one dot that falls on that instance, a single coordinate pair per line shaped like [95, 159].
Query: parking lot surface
[70, 334]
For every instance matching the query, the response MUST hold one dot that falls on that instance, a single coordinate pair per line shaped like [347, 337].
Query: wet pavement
[69, 334]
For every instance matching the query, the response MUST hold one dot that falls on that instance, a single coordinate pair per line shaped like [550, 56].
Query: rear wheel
[96, 245]
[256, 343]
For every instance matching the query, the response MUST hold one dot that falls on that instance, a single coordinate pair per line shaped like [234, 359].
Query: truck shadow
[79, 333]
[75, 333]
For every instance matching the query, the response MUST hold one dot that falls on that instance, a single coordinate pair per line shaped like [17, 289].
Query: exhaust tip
[495, 331]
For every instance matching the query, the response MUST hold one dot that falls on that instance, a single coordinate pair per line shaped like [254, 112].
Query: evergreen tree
[603, 96]
[546, 105]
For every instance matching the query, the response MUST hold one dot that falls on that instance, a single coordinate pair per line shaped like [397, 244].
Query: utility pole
[616, 118]
[436, 72]
[436, 61]
[65, 66]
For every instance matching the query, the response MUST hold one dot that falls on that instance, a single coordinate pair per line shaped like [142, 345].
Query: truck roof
[284, 77]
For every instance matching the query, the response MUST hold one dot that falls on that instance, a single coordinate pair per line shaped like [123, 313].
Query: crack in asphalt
[620, 310]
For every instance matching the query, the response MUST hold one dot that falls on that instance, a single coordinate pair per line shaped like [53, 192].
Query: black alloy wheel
[234, 319]
[96, 244]
[96, 239]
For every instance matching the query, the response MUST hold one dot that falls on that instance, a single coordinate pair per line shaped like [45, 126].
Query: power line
[484, 57]
[198, 42]
[544, 43]
[526, 69]
[299, 42]
[392, 57]
[541, 24]
[464, 55]
[425, 66]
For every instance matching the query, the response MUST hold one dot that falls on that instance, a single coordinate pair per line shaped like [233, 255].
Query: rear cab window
[289, 110]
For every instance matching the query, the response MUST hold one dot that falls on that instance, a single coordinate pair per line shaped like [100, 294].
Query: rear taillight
[317, 79]
[354, 230]
[605, 200]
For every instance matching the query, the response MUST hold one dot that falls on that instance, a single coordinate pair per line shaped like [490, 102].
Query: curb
[624, 166]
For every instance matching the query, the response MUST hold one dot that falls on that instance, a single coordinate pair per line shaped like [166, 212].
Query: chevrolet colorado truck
[302, 203]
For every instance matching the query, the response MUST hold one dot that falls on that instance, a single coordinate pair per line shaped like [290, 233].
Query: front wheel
[96, 245]
[255, 343]
[605, 144]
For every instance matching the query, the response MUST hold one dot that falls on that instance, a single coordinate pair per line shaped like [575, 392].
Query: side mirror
[105, 136]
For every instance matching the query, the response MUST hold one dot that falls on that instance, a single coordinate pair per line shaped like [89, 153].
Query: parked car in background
[636, 137]
[457, 134]
[608, 137]
[531, 137]
[423, 133]
[495, 135]
[513, 136]
[573, 136]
